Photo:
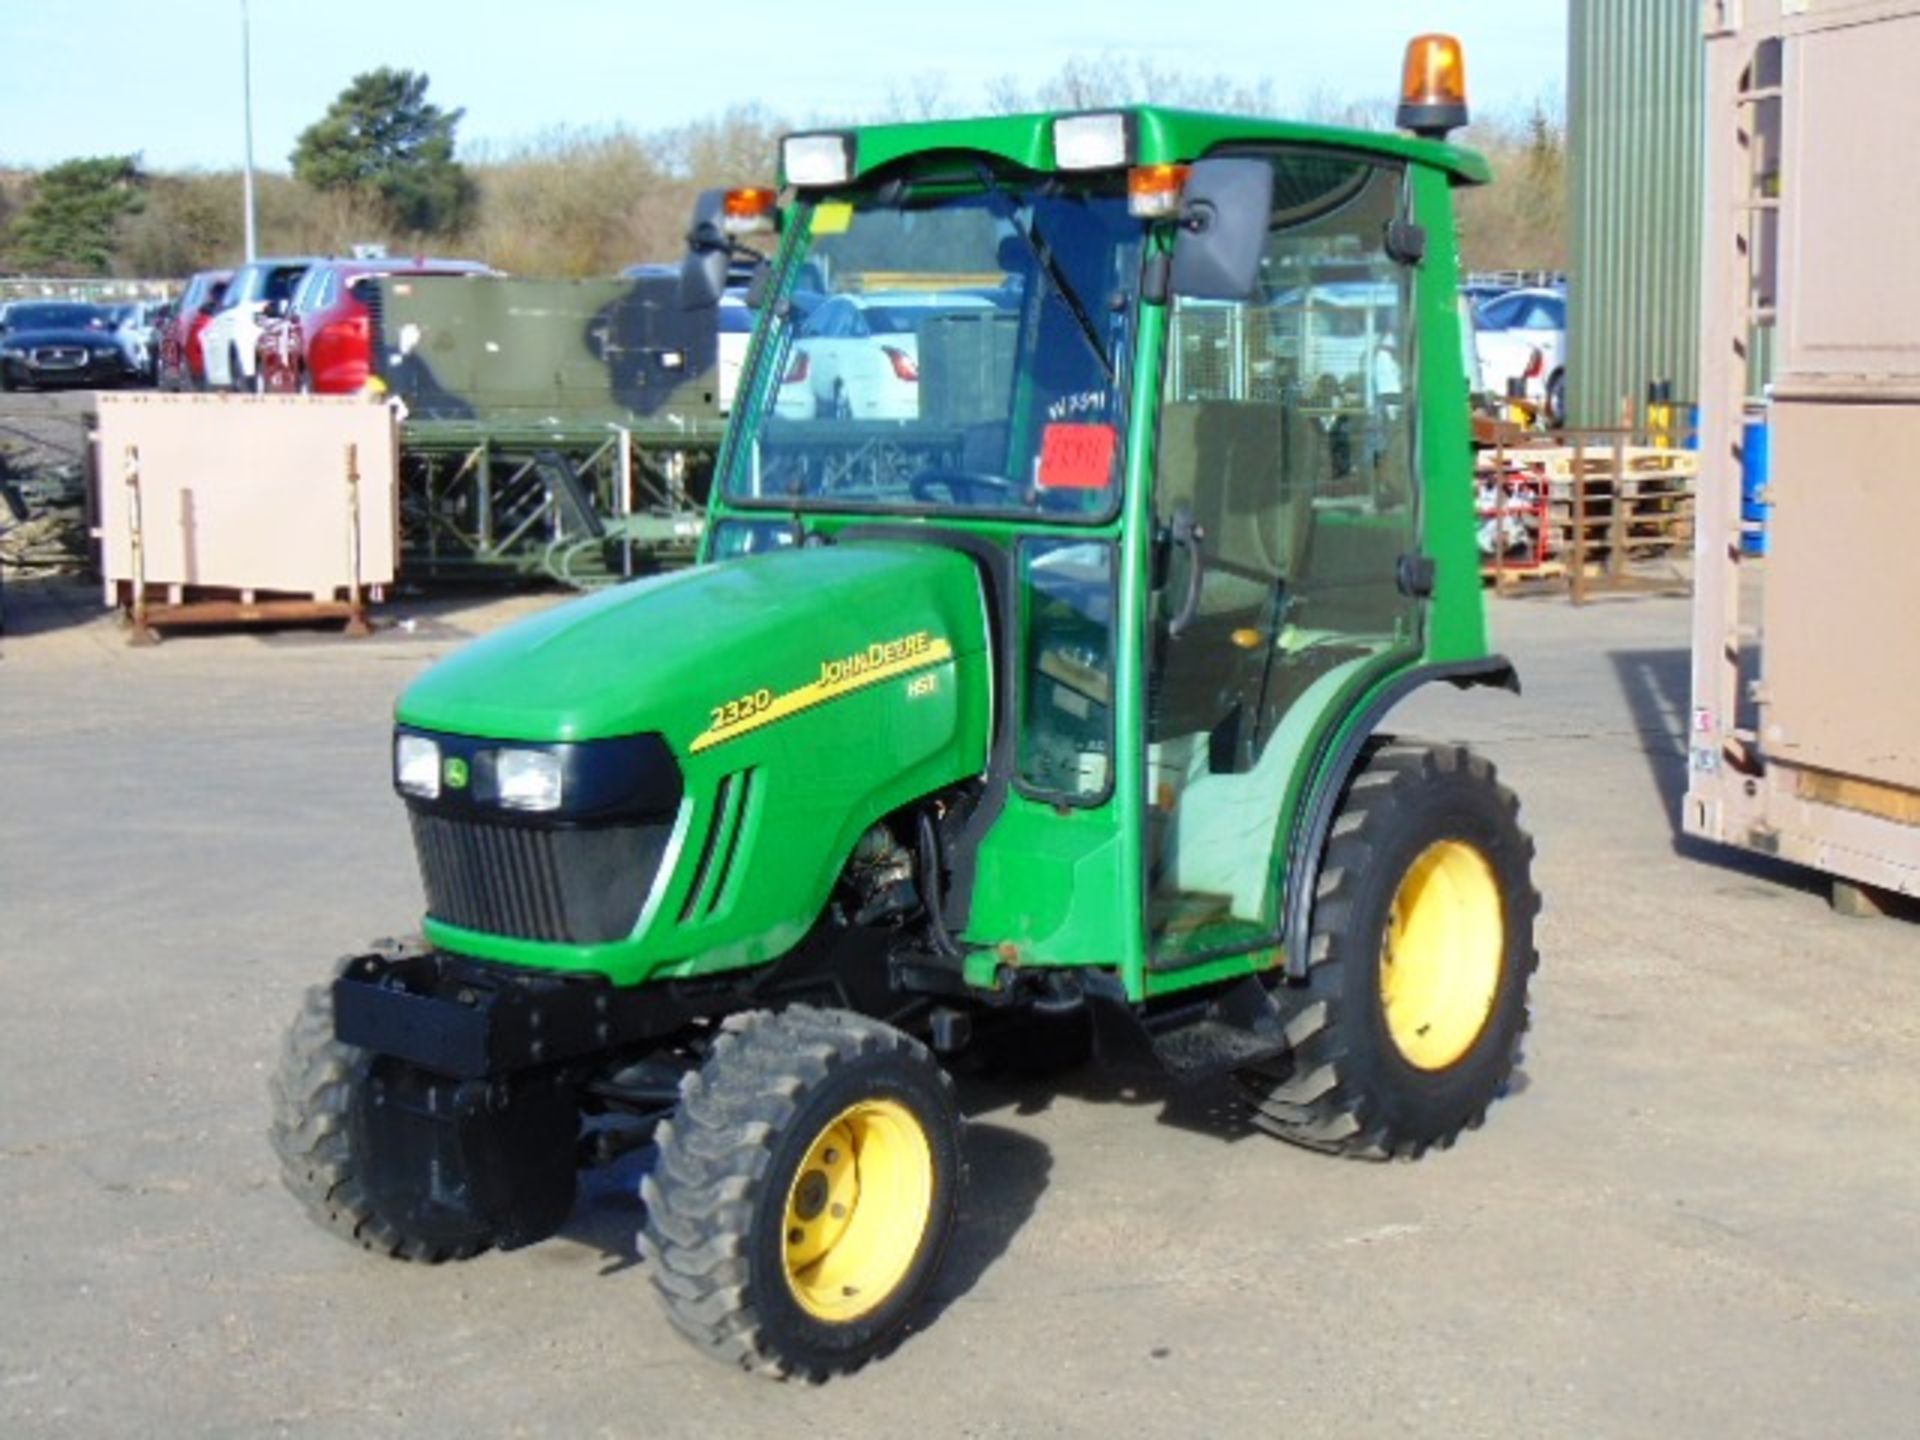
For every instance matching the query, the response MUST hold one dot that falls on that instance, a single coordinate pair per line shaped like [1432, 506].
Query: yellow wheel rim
[857, 1210]
[1441, 958]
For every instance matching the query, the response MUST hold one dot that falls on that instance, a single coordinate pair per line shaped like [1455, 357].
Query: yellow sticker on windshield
[832, 217]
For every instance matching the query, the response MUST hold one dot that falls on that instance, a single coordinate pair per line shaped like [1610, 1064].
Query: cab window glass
[1066, 684]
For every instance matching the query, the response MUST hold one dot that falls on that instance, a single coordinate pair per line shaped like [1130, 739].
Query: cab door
[1284, 493]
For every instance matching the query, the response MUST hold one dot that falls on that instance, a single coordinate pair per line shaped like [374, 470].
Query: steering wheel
[966, 487]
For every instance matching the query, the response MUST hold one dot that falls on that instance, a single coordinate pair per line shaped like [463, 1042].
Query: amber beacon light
[1433, 88]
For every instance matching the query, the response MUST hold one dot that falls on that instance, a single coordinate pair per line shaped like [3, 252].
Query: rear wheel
[314, 1092]
[1422, 947]
[804, 1193]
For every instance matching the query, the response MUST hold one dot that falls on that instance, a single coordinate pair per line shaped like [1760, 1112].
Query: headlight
[13, 352]
[527, 779]
[416, 766]
[618, 779]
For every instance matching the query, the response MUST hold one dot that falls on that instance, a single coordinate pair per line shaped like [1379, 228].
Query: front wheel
[1409, 1024]
[804, 1193]
[315, 1089]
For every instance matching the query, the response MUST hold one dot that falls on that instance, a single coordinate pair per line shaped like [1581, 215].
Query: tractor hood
[710, 652]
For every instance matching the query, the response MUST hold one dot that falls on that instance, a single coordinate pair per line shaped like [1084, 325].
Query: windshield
[55, 317]
[954, 352]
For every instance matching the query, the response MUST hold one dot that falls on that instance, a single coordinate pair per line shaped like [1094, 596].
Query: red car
[181, 366]
[321, 345]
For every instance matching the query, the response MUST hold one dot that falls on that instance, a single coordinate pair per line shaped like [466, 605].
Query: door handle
[1187, 533]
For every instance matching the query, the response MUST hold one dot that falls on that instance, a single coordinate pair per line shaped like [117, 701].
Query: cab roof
[1163, 136]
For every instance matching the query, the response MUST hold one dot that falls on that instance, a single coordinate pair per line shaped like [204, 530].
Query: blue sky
[162, 77]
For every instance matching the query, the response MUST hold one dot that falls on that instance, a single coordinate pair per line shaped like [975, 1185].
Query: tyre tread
[1315, 1098]
[715, 1151]
[311, 1092]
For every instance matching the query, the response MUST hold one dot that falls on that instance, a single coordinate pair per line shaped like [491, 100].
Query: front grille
[60, 357]
[582, 887]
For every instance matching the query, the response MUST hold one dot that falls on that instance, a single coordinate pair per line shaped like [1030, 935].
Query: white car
[857, 357]
[133, 331]
[1523, 336]
[736, 330]
[231, 342]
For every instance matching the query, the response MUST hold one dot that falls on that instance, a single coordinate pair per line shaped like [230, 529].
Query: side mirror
[703, 273]
[1223, 228]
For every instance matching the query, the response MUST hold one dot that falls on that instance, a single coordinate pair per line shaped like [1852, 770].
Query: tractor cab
[1162, 375]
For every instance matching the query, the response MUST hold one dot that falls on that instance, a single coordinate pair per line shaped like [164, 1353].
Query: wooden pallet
[1611, 511]
[1644, 507]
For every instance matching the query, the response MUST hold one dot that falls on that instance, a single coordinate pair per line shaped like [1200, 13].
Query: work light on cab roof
[812, 160]
[1101, 141]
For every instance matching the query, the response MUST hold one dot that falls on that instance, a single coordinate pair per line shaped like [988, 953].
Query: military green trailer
[1030, 696]
[556, 428]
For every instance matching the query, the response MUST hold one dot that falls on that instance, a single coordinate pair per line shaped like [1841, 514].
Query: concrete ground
[1701, 1215]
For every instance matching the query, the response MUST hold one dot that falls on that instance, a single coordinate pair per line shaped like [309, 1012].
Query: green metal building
[1636, 109]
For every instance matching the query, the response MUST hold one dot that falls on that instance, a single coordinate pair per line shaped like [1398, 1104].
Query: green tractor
[1096, 485]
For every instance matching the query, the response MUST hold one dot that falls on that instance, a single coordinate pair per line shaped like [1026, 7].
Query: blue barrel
[1692, 442]
[1755, 466]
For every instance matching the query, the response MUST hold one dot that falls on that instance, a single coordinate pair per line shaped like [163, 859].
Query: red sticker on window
[1076, 457]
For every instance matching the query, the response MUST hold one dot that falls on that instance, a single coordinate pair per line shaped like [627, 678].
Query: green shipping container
[1636, 108]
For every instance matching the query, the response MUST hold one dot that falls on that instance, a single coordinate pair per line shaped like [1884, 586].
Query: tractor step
[1213, 1047]
[1237, 1027]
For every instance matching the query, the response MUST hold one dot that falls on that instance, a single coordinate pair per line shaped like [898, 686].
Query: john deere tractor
[1096, 485]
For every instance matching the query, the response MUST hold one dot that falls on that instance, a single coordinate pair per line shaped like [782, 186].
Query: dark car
[57, 342]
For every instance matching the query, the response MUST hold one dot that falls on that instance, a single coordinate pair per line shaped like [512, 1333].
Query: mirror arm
[1156, 280]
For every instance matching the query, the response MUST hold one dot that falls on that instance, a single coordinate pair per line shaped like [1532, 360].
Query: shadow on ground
[1657, 685]
[1007, 1174]
[41, 604]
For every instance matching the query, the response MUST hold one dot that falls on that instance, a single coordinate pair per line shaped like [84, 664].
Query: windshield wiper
[1050, 267]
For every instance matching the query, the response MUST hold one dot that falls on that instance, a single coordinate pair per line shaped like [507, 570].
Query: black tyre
[1410, 1022]
[313, 1095]
[804, 1193]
